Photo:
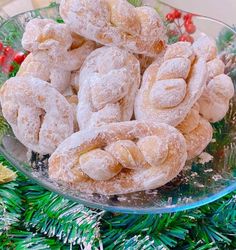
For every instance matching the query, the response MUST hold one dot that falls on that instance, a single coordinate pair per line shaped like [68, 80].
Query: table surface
[221, 9]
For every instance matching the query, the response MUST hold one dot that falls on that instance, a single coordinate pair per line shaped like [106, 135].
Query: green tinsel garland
[34, 218]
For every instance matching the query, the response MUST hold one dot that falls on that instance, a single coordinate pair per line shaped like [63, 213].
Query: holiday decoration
[180, 26]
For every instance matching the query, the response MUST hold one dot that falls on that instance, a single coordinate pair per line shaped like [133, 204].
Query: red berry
[8, 51]
[170, 17]
[1, 46]
[188, 17]
[188, 21]
[177, 14]
[11, 68]
[2, 60]
[186, 38]
[190, 28]
[19, 57]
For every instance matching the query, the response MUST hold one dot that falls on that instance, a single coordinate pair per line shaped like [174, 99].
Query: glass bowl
[197, 184]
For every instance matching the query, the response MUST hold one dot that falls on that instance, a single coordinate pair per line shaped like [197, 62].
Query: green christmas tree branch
[55, 216]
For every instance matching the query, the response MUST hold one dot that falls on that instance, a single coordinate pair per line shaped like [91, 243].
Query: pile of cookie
[117, 108]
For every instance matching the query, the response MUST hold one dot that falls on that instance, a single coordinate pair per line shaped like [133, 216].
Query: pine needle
[55, 216]
[4, 127]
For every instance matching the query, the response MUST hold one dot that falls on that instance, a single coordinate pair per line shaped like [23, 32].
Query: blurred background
[224, 10]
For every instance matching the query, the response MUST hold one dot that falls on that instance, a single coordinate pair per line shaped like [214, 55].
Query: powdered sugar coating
[55, 52]
[64, 162]
[46, 34]
[40, 65]
[197, 131]
[161, 98]
[180, 50]
[110, 22]
[39, 115]
[56, 69]
[180, 99]
[109, 80]
[205, 47]
[215, 67]
[174, 68]
[214, 102]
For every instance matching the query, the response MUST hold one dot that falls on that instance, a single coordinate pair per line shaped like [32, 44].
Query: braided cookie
[110, 22]
[41, 65]
[197, 131]
[120, 158]
[46, 34]
[214, 102]
[108, 82]
[41, 118]
[55, 52]
[170, 89]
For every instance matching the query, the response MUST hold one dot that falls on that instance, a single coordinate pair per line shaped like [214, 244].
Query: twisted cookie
[40, 65]
[46, 34]
[55, 52]
[39, 115]
[169, 89]
[108, 82]
[214, 102]
[110, 22]
[197, 131]
[120, 158]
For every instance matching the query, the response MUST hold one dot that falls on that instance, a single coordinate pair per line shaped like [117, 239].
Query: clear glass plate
[197, 185]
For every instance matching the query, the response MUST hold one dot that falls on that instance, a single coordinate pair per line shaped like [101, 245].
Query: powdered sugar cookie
[55, 52]
[108, 82]
[197, 131]
[169, 89]
[120, 158]
[39, 115]
[214, 102]
[46, 34]
[109, 22]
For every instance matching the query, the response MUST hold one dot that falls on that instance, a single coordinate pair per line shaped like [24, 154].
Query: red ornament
[186, 38]
[2, 60]
[177, 14]
[19, 57]
[170, 17]
[190, 28]
[8, 51]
